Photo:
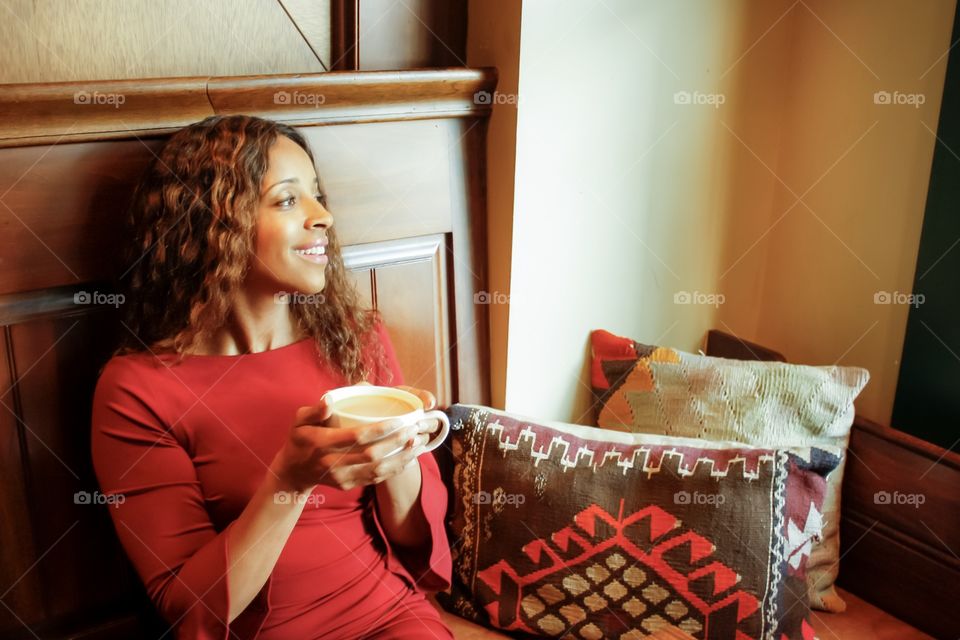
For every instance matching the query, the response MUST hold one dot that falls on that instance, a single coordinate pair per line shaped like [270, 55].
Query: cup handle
[444, 428]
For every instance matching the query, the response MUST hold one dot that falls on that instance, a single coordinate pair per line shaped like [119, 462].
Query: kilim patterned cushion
[650, 389]
[565, 530]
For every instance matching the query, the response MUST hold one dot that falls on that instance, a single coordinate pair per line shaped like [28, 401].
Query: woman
[242, 513]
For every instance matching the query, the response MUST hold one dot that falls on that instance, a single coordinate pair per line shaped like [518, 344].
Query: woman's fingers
[427, 398]
[358, 437]
[313, 415]
[376, 472]
[430, 425]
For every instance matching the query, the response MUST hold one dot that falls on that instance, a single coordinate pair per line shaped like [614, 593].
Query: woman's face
[291, 231]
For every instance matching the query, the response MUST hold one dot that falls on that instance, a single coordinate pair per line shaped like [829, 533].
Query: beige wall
[857, 231]
[623, 198]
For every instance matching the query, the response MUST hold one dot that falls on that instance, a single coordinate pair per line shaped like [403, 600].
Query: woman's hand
[342, 457]
[425, 428]
[348, 457]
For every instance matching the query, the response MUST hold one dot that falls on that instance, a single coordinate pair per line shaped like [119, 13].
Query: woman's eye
[287, 202]
[321, 198]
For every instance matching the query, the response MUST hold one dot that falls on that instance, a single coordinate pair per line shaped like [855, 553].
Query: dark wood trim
[128, 109]
[345, 35]
[468, 266]
[901, 557]
[724, 345]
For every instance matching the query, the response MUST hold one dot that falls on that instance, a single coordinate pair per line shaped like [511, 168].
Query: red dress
[188, 445]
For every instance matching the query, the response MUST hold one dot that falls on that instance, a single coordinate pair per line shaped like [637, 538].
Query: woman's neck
[256, 323]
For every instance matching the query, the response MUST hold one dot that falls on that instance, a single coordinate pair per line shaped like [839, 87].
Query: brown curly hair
[192, 219]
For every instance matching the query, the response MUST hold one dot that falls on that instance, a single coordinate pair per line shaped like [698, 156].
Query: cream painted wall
[620, 197]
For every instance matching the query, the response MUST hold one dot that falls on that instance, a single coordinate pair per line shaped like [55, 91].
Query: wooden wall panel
[21, 586]
[51, 41]
[377, 188]
[362, 280]
[410, 289]
[374, 195]
[900, 526]
[412, 33]
[468, 252]
[57, 361]
[49, 205]
[401, 162]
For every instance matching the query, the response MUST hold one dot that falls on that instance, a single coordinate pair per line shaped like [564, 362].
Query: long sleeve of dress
[161, 519]
[429, 567]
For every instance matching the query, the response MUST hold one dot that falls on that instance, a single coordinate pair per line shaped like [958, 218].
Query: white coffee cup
[365, 404]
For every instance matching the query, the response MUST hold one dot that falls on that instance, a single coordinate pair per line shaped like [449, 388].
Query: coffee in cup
[365, 404]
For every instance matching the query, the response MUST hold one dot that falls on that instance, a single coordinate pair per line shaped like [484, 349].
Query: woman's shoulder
[139, 362]
[132, 374]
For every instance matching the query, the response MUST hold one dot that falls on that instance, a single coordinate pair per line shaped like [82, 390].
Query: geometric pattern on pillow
[564, 530]
[650, 389]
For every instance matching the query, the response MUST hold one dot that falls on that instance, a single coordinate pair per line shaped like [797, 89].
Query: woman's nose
[319, 217]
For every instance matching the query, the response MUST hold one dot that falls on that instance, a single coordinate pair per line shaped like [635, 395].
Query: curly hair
[192, 219]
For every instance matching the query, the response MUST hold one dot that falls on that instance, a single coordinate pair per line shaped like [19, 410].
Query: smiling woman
[240, 515]
[231, 209]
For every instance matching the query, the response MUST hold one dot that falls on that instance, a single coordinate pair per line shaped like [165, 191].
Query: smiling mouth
[312, 251]
[316, 255]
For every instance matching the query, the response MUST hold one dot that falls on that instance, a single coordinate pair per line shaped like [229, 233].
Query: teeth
[314, 251]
